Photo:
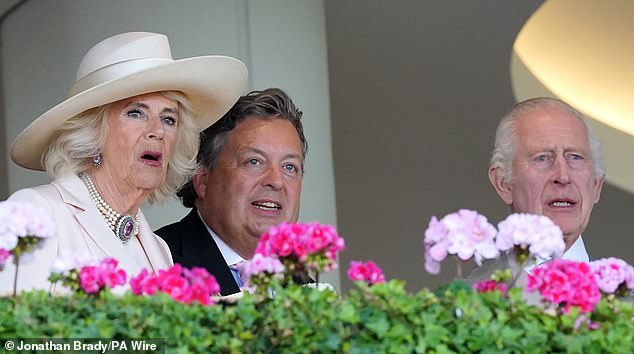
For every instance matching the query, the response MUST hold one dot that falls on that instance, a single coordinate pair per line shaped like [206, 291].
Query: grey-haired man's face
[553, 173]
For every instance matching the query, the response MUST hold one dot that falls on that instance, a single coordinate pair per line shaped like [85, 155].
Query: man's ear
[504, 189]
[598, 185]
[199, 181]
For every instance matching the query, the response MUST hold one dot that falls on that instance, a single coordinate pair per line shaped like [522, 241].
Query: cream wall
[282, 42]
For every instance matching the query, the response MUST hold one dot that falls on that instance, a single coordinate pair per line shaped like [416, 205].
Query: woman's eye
[169, 120]
[135, 113]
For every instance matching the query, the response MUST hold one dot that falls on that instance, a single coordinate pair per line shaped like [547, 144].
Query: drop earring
[97, 160]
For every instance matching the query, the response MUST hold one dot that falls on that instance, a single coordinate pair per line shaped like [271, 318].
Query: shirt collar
[231, 257]
[577, 252]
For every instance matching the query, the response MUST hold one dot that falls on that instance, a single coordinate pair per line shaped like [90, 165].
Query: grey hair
[83, 136]
[505, 136]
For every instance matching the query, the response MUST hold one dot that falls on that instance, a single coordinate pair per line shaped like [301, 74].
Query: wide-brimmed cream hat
[131, 64]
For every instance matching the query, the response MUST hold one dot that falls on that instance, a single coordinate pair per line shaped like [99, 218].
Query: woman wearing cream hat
[126, 133]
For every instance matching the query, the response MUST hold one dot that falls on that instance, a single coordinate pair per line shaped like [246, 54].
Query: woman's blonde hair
[83, 136]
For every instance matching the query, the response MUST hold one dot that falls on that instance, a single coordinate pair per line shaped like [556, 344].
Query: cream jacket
[80, 228]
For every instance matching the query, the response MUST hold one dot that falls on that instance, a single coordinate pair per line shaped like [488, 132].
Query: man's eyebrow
[263, 153]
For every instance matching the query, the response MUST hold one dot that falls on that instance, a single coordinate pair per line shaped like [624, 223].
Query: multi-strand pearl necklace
[124, 226]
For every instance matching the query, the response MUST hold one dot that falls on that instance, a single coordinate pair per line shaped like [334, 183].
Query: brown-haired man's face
[257, 179]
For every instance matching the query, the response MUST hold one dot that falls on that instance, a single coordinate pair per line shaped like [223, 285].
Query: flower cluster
[79, 272]
[536, 234]
[105, 274]
[368, 272]
[464, 233]
[260, 264]
[614, 276]
[181, 284]
[566, 283]
[23, 228]
[313, 245]
[468, 234]
[490, 285]
[259, 272]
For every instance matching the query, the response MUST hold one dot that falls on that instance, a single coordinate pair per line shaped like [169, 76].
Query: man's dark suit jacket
[192, 246]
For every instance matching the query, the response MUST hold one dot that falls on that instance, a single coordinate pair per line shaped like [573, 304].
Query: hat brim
[212, 84]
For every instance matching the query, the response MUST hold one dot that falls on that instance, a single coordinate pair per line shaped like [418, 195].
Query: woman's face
[140, 140]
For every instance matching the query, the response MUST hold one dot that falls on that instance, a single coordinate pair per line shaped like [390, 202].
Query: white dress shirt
[231, 257]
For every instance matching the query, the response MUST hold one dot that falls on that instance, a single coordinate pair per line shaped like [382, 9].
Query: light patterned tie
[237, 271]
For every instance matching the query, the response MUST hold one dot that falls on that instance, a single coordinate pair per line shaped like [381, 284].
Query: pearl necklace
[123, 226]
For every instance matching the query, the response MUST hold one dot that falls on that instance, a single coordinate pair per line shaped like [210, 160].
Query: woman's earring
[97, 160]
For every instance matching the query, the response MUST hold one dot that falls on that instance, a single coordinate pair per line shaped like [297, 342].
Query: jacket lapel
[199, 248]
[105, 243]
[157, 253]
[74, 192]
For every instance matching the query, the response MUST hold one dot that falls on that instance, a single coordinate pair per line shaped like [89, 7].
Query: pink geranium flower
[312, 245]
[4, 254]
[179, 283]
[89, 279]
[111, 276]
[365, 271]
[566, 283]
[105, 274]
[144, 283]
[489, 285]
[81, 272]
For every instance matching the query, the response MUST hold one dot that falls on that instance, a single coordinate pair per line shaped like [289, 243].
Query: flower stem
[15, 279]
[459, 267]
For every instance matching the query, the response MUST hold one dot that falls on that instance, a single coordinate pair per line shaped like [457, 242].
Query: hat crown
[124, 47]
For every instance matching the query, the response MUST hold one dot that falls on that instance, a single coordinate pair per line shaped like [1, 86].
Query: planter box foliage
[383, 318]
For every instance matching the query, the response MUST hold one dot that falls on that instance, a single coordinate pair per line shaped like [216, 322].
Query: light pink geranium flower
[629, 278]
[263, 264]
[25, 226]
[368, 272]
[612, 273]
[464, 233]
[67, 261]
[537, 233]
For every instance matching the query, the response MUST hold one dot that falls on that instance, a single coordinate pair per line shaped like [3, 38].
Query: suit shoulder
[171, 234]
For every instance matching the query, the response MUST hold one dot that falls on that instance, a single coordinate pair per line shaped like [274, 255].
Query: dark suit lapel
[199, 249]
